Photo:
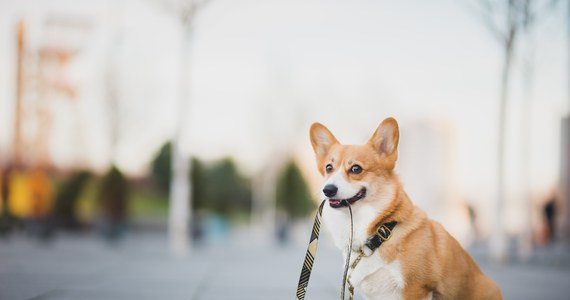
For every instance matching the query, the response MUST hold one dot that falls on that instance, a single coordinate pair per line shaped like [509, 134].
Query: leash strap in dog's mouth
[310, 255]
[382, 234]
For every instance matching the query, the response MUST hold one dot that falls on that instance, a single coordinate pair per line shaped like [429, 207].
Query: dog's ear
[321, 139]
[385, 141]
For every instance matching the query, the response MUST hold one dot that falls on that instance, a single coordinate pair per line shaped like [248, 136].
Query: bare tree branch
[184, 10]
[515, 15]
[489, 12]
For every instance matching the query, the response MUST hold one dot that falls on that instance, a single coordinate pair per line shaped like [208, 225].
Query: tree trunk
[525, 235]
[180, 186]
[498, 241]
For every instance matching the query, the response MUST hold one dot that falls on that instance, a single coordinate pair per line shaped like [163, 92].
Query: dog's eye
[356, 169]
[329, 168]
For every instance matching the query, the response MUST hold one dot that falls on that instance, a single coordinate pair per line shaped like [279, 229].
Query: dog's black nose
[330, 190]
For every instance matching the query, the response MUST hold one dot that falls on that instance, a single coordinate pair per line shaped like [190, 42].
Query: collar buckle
[384, 233]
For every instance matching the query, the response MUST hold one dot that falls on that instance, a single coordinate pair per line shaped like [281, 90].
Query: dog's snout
[330, 190]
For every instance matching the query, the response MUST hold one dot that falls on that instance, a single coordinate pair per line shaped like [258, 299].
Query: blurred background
[182, 127]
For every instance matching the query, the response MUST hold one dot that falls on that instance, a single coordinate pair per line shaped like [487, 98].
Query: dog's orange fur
[432, 261]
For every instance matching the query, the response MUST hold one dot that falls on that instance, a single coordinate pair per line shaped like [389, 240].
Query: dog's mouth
[336, 203]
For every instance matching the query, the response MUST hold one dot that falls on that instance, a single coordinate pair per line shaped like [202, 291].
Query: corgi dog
[411, 258]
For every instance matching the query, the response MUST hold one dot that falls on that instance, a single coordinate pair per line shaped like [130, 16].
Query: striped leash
[312, 253]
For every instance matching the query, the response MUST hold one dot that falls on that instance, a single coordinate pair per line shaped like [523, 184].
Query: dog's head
[356, 172]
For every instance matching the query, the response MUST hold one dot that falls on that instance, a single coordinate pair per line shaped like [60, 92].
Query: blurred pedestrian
[549, 211]
[6, 218]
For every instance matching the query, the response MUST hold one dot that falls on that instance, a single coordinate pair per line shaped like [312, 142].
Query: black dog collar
[382, 234]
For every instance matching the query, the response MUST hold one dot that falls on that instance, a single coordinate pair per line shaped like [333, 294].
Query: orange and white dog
[419, 259]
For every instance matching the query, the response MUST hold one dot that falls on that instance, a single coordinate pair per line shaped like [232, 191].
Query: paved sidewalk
[141, 268]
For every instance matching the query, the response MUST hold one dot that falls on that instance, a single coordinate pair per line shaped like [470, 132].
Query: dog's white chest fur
[373, 277]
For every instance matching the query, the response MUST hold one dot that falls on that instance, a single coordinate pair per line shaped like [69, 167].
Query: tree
[160, 167]
[528, 68]
[506, 20]
[113, 203]
[65, 204]
[228, 192]
[293, 196]
[180, 188]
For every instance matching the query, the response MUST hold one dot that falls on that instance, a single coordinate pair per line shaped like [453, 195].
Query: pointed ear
[385, 141]
[321, 139]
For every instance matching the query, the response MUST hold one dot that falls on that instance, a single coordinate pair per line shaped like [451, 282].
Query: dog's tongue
[334, 201]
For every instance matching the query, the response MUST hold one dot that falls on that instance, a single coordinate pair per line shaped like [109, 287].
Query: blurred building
[427, 165]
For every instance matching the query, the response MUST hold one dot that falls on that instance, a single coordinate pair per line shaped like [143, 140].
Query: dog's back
[443, 266]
